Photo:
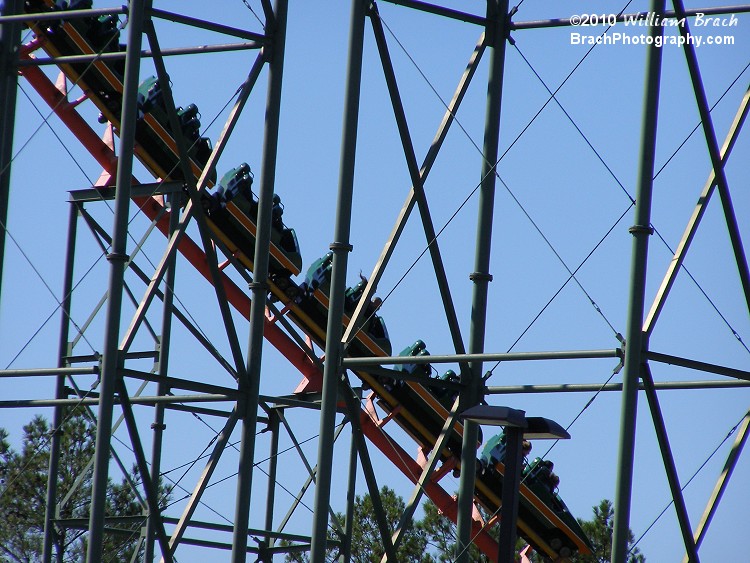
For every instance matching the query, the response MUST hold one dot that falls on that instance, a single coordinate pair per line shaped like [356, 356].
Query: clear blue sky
[555, 203]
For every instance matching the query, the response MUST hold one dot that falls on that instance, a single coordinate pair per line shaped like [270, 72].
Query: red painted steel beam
[409, 467]
[151, 207]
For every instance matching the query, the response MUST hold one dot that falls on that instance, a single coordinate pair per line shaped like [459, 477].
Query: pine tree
[599, 531]
[367, 545]
[23, 494]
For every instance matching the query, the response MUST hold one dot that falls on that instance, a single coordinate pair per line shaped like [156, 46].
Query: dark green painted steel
[273, 465]
[346, 545]
[163, 371]
[117, 260]
[250, 384]
[511, 483]
[152, 494]
[417, 180]
[60, 391]
[496, 36]
[340, 248]
[669, 465]
[636, 340]
[10, 43]
[714, 152]
[722, 482]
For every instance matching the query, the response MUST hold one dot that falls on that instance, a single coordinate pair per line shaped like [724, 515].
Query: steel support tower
[113, 386]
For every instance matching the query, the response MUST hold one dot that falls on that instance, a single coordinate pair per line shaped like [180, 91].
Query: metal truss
[173, 206]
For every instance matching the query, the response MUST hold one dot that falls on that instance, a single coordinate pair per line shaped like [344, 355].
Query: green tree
[433, 538]
[599, 531]
[367, 546]
[23, 493]
[441, 537]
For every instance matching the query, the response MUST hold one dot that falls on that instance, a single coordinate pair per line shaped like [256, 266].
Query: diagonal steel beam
[411, 198]
[419, 488]
[701, 366]
[713, 150]
[102, 237]
[106, 158]
[152, 494]
[417, 182]
[210, 348]
[187, 213]
[722, 482]
[410, 468]
[115, 456]
[310, 480]
[353, 409]
[268, 13]
[198, 214]
[307, 465]
[200, 487]
[204, 24]
[669, 464]
[695, 218]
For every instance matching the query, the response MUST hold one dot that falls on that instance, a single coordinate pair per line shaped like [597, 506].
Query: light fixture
[517, 426]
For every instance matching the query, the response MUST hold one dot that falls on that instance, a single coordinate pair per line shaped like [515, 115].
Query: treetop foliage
[432, 539]
[23, 494]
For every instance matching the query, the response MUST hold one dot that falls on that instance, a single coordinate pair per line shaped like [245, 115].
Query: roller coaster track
[549, 529]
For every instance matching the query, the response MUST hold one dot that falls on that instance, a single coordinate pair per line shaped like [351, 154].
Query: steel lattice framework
[326, 389]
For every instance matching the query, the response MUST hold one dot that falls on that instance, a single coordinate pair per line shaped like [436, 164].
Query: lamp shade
[489, 415]
[533, 427]
[540, 428]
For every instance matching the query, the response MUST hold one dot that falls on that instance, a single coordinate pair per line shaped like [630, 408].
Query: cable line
[693, 476]
[493, 168]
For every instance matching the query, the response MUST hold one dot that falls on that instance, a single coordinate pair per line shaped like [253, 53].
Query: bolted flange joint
[640, 229]
[480, 276]
[118, 257]
[341, 246]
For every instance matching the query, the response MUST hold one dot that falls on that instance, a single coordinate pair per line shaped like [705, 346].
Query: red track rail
[152, 207]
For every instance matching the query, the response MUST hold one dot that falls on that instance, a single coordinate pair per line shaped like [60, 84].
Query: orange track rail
[152, 207]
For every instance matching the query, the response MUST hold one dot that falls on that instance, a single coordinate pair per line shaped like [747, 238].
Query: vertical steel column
[117, 259]
[635, 338]
[346, 543]
[510, 494]
[57, 420]
[340, 247]
[10, 43]
[158, 425]
[273, 464]
[250, 386]
[496, 34]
